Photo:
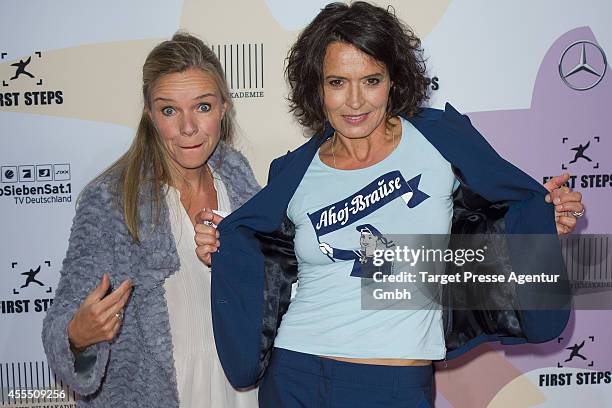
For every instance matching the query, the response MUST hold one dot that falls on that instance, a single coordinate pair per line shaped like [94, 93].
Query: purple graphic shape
[585, 325]
[539, 140]
[533, 139]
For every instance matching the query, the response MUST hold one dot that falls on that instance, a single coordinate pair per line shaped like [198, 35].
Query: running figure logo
[580, 152]
[21, 68]
[575, 351]
[31, 278]
[576, 357]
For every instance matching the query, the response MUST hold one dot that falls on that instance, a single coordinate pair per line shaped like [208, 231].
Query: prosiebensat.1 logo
[36, 183]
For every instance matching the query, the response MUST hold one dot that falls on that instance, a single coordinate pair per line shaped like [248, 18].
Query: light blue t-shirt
[337, 214]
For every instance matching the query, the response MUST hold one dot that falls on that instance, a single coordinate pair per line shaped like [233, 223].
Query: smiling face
[368, 242]
[186, 109]
[355, 91]
[367, 239]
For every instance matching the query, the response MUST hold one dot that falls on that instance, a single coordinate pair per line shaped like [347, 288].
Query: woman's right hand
[99, 316]
[206, 235]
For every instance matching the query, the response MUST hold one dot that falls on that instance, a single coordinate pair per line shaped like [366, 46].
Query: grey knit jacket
[136, 369]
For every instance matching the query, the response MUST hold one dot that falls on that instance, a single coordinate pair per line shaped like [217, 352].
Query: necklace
[334, 142]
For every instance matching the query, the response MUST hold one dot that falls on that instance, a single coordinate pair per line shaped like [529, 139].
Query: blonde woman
[131, 322]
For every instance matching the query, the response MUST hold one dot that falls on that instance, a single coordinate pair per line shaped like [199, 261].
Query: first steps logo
[582, 161]
[576, 368]
[36, 183]
[29, 292]
[22, 83]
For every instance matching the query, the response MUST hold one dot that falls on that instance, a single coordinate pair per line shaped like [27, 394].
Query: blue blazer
[253, 271]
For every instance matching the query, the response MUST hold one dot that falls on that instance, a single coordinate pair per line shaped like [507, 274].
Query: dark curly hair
[371, 29]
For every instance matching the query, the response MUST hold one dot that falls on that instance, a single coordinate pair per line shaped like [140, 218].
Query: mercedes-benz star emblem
[597, 71]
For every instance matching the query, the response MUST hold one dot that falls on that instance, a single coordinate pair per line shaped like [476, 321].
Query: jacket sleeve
[89, 255]
[545, 307]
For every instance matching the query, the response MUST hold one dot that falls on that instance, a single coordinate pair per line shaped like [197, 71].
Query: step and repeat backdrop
[533, 76]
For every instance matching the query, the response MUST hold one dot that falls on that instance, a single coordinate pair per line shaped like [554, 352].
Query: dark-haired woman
[378, 159]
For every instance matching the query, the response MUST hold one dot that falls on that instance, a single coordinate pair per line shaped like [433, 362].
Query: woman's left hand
[206, 235]
[567, 203]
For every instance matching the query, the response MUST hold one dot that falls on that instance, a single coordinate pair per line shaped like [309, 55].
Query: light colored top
[200, 377]
[340, 217]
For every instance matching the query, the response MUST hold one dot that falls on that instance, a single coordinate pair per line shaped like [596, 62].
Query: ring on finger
[119, 315]
[578, 214]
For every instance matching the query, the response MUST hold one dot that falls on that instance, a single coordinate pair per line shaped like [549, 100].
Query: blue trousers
[307, 381]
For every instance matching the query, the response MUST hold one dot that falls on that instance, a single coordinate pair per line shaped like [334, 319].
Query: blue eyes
[202, 107]
[168, 111]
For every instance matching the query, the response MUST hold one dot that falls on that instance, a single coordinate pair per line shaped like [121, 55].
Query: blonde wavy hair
[147, 160]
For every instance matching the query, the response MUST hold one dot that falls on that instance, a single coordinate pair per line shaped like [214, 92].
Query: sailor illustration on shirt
[370, 240]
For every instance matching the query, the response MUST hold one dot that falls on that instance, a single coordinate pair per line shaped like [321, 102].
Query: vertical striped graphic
[243, 64]
[30, 375]
[588, 259]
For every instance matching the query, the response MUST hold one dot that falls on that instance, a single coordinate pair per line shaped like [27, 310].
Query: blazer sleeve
[89, 255]
[536, 249]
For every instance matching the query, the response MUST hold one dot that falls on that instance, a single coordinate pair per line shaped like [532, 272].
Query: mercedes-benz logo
[583, 66]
